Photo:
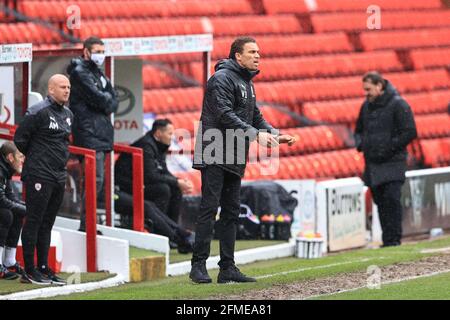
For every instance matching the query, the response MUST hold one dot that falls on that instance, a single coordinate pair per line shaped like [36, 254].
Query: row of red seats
[57, 10]
[436, 152]
[173, 100]
[111, 28]
[426, 58]
[155, 77]
[286, 24]
[302, 6]
[371, 40]
[293, 92]
[337, 164]
[271, 46]
[23, 32]
[433, 125]
[347, 111]
[290, 45]
[390, 20]
[255, 25]
[328, 65]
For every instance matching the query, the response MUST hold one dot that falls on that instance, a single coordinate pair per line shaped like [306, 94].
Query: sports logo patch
[38, 186]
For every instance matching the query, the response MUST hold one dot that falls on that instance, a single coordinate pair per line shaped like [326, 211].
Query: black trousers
[161, 223]
[43, 201]
[219, 188]
[387, 198]
[10, 226]
[167, 198]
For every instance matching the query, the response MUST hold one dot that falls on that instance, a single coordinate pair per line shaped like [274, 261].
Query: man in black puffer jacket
[43, 137]
[384, 128]
[160, 185]
[12, 211]
[92, 102]
[230, 120]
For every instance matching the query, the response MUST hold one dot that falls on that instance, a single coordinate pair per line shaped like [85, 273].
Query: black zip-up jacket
[8, 199]
[229, 103]
[92, 100]
[43, 137]
[383, 130]
[155, 166]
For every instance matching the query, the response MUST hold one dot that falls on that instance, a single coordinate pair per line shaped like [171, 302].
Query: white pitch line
[382, 283]
[317, 267]
[446, 249]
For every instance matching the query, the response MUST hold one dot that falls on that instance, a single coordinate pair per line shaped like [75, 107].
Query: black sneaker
[199, 274]
[233, 274]
[16, 268]
[6, 274]
[35, 277]
[50, 275]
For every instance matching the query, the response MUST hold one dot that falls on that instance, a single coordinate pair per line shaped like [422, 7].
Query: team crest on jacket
[69, 122]
[38, 186]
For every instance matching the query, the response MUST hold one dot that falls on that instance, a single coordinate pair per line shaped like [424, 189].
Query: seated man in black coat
[12, 211]
[160, 186]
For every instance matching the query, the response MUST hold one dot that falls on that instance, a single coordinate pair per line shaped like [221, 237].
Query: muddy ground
[345, 281]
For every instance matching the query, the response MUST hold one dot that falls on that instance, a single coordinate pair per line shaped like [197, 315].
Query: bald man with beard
[43, 137]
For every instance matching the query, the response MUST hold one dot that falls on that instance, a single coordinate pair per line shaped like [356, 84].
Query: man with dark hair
[229, 107]
[384, 128]
[92, 101]
[12, 211]
[160, 186]
[43, 137]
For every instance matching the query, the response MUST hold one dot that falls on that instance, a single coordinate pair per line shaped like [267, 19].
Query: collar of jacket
[231, 64]
[157, 146]
[4, 164]
[54, 103]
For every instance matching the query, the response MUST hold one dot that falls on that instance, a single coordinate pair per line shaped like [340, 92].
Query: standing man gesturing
[43, 137]
[229, 114]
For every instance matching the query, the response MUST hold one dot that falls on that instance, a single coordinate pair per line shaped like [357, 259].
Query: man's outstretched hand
[285, 138]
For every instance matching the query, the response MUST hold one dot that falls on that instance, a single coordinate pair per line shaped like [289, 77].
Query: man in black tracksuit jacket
[12, 211]
[229, 105]
[92, 101]
[43, 137]
[384, 128]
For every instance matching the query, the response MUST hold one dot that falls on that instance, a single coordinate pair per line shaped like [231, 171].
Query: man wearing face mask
[384, 128]
[12, 211]
[161, 186]
[92, 101]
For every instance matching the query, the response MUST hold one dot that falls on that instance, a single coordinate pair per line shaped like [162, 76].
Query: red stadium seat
[426, 58]
[390, 20]
[433, 125]
[405, 39]
[362, 5]
[328, 65]
[284, 24]
[284, 6]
